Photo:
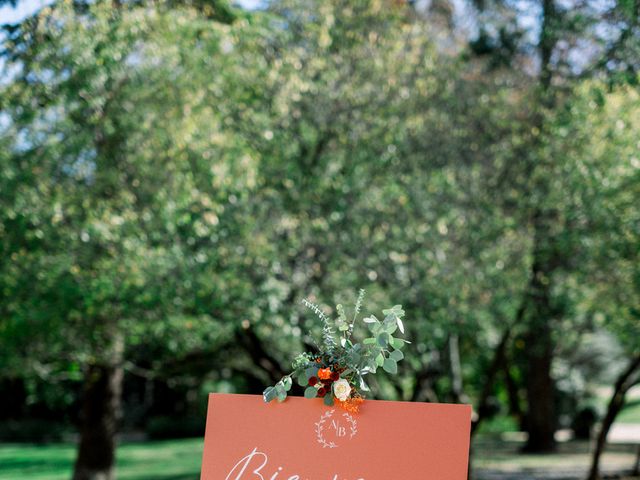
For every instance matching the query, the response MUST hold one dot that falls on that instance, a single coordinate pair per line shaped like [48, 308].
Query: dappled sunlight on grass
[631, 414]
[166, 460]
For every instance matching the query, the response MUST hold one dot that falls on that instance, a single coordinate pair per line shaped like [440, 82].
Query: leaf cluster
[340, 353]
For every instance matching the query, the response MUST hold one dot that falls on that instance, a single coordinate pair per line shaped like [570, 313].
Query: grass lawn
[631, 413]
[180, 460]
[571, 456]
[167, 460]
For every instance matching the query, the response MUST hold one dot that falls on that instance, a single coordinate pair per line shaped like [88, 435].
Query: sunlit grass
[631, 414]
[180, 459]
[167, 460]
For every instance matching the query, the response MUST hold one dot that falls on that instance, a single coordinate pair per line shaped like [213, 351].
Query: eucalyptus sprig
[337, 371]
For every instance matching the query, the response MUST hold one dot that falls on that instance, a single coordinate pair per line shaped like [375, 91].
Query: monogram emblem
[332, 430]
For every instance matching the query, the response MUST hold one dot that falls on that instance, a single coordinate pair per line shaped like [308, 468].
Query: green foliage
[328, 341]
[340, 358]
[110, 208]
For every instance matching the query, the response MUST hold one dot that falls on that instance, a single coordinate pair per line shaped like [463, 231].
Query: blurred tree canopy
[176, 176]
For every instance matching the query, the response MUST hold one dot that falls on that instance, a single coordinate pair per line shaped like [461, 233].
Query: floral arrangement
[336, 372]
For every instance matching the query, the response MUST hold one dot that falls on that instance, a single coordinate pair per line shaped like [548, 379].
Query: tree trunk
[540, 387]
[99, 419]
[625, 381]
[541, 422]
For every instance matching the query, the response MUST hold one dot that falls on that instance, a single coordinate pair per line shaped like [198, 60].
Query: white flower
[341, 389]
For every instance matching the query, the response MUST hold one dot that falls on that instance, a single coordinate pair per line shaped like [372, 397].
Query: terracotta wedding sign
[302, 439]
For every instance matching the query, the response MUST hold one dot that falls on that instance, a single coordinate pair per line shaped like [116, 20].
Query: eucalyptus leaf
[281, 393]
[363, 385]
[310, 392]
[269, 394]
[372, 365]
[395, 310]
[390, 366]
[396, 355]
[354, 358]
[391, 328]
[287, 383]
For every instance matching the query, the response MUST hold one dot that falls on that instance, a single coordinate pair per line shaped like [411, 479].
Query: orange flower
[324, 373]
[351, 404]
